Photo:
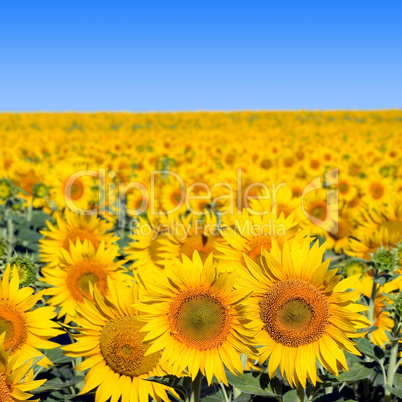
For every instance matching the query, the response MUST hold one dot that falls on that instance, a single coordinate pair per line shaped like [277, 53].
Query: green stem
[392, 361]
[10, 239]
[196, 388]
[29, 211]
[300, 395]
[225, 395]
[372, 302]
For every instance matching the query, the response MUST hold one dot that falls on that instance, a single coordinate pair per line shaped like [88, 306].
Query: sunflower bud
[385, 260]
[40, 190]
[398, 252]
[352, 267]
[27, 270]
[7, 189]
[398, 305]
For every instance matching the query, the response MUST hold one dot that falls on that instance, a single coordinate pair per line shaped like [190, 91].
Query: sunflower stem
[225, 395]
[196, 388]
[29, 211]
[10, 230]
[372, 301]
[392, 361]
[300, 395]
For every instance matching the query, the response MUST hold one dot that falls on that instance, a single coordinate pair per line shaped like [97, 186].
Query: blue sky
[200, 55]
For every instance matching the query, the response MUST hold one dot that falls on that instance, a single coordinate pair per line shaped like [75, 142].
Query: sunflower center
[199, 318]
[176, 197]
[199, 243]
[76, 190]
[376, 190]
[4, 389]
[318, 212]
[343, 187]
[295, 315]
[259, 242]
[82, 235]
[13, 323]
[344, 230]
[80, 275]
[294, 312]
[122, 348]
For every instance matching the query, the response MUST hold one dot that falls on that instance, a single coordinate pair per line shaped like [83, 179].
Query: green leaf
[368, 348]
[55, 385]
[256, 383]
[179, 384]
[39, 219]
[358, 371]
[56, 356]
[397, 391]
[290, 396]
[29, 236]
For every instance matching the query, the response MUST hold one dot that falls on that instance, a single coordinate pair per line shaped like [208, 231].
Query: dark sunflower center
[294, 312]
[122, 348]
[200, 319]
[295, 315]
[85, 279]
[376, 190]
[343, 188]
[80, 275]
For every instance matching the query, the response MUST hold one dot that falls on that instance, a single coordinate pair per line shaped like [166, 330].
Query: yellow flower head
[302, 310]
[74, 227]
[110, 338]
[77, 270]
[197, 319]
[15, 380]
[26, 328]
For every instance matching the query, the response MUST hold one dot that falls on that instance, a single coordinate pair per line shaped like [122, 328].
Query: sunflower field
[251, 256]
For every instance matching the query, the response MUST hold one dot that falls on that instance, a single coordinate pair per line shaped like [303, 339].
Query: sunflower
[69, 230]
[302, 311]
[27, 175]
[144, 249]
[377, 189]
[376, 228]
[190, 233]
[79, 267]
[314, 166]
[79, 191]
[26, 329]
[196, 318]
[15, 380]
[110, 338]
[286, 200]
[321, 208]
[347, 189]
[253, 233]
[339, 241]
[382, 318]
[171, 197]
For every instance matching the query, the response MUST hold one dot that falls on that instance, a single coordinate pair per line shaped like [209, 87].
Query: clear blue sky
[200, 55]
